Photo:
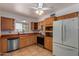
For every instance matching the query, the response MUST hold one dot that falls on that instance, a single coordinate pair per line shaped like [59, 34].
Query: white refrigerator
[65, 37]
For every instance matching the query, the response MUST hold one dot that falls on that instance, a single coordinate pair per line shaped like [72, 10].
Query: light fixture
[39, 12]
[40, 8]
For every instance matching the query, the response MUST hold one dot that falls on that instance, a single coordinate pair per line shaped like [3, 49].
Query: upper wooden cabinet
[34, 25]
[67, 16]
[46, 22]
[7, 23]
[49, 21]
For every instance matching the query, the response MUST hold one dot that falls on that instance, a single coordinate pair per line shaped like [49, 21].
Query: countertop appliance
[66, 37]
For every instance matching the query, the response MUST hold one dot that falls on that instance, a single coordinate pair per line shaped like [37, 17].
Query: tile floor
[33, 50]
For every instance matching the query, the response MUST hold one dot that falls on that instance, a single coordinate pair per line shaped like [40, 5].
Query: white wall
[70, 9]
[17, 19]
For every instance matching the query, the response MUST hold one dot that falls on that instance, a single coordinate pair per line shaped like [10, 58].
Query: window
[21, 27]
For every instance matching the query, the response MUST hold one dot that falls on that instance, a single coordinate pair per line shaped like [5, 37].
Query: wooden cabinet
[7, 23]
[32, 40]
[35, 37]
[22, 42]
[46, 22]
[34, 25]
[26, 40]
[4, 45]
[49, 21]
[42, 22]
[0, 47]
[67, 16]
[42, 26]
[48, 43]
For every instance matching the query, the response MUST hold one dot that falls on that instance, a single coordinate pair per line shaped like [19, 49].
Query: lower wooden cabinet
[27, 40]
[0, 47]
[48, 43]
[22, 42]
[32, 40]
[4, 45]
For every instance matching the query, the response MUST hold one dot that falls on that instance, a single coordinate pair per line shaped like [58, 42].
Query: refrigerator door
[61, 50]
[57, 31]
[70, 32]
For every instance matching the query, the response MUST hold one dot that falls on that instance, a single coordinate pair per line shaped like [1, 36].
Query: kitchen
[24, 34]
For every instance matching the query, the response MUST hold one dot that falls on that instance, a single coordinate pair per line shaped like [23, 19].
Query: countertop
[3, 36]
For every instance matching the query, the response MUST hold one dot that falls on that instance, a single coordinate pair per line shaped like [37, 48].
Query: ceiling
[25, 9]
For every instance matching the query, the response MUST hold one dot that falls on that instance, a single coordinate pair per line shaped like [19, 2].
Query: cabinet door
[28, 41]
[51, 19]
[34, 39]
[31, 40]
[4, 45]
[7, 23]
[48, 43]
[34, 25]
[0, 47]
[23, 41]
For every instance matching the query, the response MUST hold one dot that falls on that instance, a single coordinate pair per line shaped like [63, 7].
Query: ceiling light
[39, 12]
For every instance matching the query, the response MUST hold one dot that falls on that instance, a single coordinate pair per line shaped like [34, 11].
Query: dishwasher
[13, 44]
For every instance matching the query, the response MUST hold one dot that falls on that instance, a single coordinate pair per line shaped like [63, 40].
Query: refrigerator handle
[64, 33]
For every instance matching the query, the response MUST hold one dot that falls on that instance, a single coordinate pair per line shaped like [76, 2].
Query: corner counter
[24, 40]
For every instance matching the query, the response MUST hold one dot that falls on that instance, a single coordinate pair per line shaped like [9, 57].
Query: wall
[17, 19]
[69, 9]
